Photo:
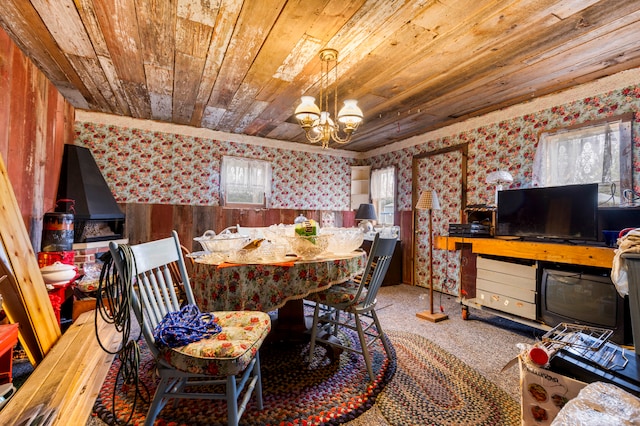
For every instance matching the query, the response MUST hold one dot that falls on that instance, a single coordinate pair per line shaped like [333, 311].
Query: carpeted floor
[326, 391]
[484, 342]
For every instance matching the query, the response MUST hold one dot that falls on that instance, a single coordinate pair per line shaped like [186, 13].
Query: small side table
[58, 295]
[8, 340]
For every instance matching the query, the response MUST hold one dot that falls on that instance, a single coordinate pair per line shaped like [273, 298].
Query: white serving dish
[58, 273]
[309, 247]
[344, 240]
[223, 242]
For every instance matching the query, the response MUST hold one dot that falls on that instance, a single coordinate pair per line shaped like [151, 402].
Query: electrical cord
[113, 303]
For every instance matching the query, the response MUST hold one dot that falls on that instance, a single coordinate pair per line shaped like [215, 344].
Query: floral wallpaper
[143, 166]
[510, 144]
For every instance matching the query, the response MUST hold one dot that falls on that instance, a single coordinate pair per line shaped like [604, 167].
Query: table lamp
[365, 214]
[429, 201]
[499, 177]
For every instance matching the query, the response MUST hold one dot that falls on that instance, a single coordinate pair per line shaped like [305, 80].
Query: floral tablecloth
[268, 287]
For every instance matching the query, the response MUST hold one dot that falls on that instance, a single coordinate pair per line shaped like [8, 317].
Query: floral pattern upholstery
[227, 353]
[339, 294]
[268, 287]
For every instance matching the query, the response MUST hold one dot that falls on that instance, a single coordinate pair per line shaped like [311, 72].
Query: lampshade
[499, 176]
[428, 201]
[350, 114]
[307, 111]
[366, 212]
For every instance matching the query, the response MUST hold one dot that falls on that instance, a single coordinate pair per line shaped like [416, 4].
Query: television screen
[560, 212]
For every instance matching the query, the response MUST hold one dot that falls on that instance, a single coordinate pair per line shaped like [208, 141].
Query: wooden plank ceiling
[241, 66]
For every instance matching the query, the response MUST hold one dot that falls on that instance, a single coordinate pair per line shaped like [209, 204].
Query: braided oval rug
[433, 387]
[322, 393]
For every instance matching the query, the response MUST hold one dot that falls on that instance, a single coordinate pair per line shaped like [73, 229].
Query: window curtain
[589, 155]
[244, 180]
[383, 193]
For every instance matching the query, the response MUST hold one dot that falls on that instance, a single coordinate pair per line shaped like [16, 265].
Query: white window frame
[383, 188]
[245, 182]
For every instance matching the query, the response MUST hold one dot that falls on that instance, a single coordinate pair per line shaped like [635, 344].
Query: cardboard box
[543, 392]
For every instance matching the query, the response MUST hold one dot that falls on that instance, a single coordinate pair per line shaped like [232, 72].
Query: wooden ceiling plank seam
[118, 23]
[192, 45]
[361, 33]
[91, 72]
[244, 96]
[196, 10]
[62, 19]
[91, 25]
[160, 87]
[223, 29]
[289, 27]
[114, 82]
[517, 94]
[438, 67]
[188, 70]
[543, 12]
[435, 88]
[157, 28]
[493, 9]
[248, 37]
[604, 28]
[25, 27]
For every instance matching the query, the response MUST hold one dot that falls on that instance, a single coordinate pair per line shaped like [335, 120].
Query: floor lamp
[429, 201]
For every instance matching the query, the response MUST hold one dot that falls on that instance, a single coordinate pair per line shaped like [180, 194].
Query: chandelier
[316, 120]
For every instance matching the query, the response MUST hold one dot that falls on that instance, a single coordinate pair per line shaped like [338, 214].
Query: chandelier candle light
[429, 201]
[316, 120]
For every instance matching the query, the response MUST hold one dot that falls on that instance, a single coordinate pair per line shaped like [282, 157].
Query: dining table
[274, 287]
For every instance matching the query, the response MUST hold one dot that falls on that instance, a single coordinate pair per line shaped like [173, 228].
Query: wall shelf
[360, 184]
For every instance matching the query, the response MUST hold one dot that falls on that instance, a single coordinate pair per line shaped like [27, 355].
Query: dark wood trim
[464, 149]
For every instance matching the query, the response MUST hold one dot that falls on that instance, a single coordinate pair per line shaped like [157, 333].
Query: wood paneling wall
[146, 222]
[35, 123]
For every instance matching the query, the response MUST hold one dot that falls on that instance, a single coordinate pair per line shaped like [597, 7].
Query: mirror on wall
[594, 152]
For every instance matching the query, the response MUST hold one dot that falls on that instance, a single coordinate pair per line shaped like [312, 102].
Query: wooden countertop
[547, 251]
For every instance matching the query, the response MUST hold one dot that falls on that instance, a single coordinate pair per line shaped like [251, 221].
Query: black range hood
[83, 191]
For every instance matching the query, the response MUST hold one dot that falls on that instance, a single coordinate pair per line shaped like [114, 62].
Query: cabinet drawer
[506, 304]
[507, 268]
[524, 283]
[516, 292]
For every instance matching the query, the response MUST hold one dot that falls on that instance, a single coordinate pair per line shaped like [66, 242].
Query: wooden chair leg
[232, 401]
[363, 345]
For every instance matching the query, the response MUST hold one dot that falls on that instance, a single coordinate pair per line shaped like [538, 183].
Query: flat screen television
[558, 212]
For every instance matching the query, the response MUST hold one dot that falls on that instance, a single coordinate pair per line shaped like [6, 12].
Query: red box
[8, 339]
[46, 258]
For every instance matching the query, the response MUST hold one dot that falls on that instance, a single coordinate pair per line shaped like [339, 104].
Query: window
[383, 191]
[589, 154]
[245, 182]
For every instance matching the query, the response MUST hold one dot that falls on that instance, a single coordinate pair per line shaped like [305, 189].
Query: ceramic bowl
[58, 273]
[309, 247]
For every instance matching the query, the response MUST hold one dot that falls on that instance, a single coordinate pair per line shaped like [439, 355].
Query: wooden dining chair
[357, 299]
[229, 358]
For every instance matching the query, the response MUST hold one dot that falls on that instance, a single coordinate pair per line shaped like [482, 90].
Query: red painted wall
[35, 123]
